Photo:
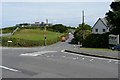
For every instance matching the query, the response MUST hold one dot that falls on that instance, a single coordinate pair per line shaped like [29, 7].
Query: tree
[113, 16]
[82, 32]
[59, 28]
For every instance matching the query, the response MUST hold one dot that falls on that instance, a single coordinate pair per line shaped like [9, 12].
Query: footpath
[102, 53]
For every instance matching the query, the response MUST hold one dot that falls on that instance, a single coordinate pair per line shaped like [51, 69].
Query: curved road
[53, 62]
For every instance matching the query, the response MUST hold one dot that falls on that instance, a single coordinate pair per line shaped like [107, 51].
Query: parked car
[117, 47]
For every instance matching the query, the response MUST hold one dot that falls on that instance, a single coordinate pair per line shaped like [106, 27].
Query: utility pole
[45, 32]
[83, 25]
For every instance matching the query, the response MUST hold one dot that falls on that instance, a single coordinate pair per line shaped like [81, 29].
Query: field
[31, 38]
[35, 34]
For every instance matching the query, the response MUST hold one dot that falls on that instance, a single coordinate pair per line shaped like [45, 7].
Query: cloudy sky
[68, 13]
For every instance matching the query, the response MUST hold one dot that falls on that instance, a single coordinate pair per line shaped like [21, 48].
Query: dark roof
[104, 21]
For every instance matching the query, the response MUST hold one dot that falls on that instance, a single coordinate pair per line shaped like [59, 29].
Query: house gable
[100, 27]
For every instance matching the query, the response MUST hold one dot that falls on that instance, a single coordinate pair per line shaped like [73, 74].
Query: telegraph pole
[83, 25]
[45, 32]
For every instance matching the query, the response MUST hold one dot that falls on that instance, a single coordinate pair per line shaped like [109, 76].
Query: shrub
[96, 41]
[16, 42]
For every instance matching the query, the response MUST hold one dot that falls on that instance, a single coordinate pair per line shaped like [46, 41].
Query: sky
[57, 0]
[67, 13]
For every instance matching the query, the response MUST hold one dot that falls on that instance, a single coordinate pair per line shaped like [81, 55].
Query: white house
[100, 26]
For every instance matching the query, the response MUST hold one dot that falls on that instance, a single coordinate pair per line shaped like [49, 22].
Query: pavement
[53, 62]
[96, 52]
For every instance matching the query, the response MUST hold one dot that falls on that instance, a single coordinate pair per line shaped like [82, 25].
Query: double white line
[9, 69]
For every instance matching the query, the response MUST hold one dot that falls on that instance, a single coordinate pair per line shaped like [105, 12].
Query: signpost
[113, 39]
[45, 32]
[9, 42]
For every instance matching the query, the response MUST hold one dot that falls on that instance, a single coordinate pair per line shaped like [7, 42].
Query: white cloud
[57, 0]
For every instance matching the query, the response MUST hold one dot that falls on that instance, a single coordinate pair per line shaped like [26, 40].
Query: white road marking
[91, 59]
[64, 56]
[10, 69]
[109, 61]
[29, 54]
[88, 56]
[83, 58]
[74, 58]
[77, 58]
[37, 53]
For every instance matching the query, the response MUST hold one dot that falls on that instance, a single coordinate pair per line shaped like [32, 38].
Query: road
[52, 62]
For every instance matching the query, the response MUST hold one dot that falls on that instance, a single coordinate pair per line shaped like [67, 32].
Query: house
[101, 26]
[35, 24]
[23, 25]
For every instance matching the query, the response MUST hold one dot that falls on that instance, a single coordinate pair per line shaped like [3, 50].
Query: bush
[59, 28]
[16, 42]
[96, 41]
[8, 29]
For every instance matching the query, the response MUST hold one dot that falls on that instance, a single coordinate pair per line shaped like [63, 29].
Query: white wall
[100, 26]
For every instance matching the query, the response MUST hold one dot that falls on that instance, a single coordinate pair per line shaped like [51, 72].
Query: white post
[118, 39]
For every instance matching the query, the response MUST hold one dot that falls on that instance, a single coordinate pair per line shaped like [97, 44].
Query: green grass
[98, 49]
[7, 30]
[35, 34]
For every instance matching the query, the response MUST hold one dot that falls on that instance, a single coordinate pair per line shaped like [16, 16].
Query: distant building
[35, 24]
[23, 25]
[101, 26]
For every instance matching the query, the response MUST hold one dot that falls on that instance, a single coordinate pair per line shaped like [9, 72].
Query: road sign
[10, 41]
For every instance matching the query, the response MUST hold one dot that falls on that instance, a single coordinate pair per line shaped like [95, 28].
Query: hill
[31, 37]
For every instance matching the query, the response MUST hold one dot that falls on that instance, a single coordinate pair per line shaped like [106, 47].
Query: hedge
[96, 41]
[17, 42]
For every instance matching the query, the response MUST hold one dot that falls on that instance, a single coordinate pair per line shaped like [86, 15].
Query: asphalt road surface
[53, 62]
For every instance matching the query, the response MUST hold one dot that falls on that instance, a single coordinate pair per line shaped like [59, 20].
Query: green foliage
[17, 42]
[30, 38]
[85, 27]
[59, 28]
[113, 16]
[82, 32]
[8, 29]
[35, 34]
[96, 41]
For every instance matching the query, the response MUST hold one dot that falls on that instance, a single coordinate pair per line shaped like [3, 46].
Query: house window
[96, 30]
[103, 30]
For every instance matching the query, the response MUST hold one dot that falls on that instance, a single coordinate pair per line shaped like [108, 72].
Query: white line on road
[37, 53]
[83, 58]
[109, 61]
[77, 58]
[10, 69]
[74, 58]
[64, 56]
[91, 59]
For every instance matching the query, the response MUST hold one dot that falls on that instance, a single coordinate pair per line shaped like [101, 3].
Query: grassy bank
[35, 34]
[105, 49]
[31, 37]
